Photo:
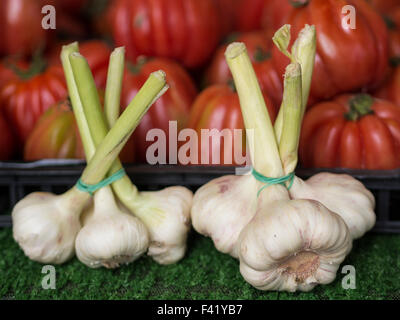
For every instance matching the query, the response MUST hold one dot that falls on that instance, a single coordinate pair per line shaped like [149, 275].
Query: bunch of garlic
[46, 225]
[164, 215]
[282, 243]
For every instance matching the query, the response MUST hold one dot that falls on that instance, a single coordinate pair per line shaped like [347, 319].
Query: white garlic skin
[166, 214]
[45, 225]
[342, 194]
[110, 235]
[292, 245]
[222, 208]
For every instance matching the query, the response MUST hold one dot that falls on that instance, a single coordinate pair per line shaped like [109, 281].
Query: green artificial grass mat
[204, 273]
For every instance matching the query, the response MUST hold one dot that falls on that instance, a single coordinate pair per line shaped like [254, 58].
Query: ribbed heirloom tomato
[347, 59]
[174, 105]
[227, 9]
[29, 93]
[185, 30]
[249, 14]
[218, 107]
[357, 132]
[254, 15]
[56, 136]
[259, 49]
[21, 29]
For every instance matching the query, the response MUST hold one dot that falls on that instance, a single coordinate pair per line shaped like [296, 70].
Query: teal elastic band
[92, 188]
[271, 181]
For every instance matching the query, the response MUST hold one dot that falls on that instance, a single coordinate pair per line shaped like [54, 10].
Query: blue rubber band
[92, 188]
[271, 181]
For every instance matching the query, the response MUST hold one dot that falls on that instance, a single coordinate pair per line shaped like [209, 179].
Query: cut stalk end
[234, 49]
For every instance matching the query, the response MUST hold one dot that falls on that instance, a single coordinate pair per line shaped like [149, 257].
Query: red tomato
[357, 132]
[29, 93]
[227, 10]
[274, 14]
[21, 29]
[258, 47]
[56, 136]
[261, 14]
[347, 59]
[218, 107]
[185, 30]
[249, 14]
[391, 89]
[174, 105]
[96, 52]
[7, 141]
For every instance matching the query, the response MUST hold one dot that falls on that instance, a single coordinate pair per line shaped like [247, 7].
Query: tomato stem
[360, 105]
[394, 61]
[37, 66]
[136, 68]
[260, 55]
[391, 25]
[299, 3]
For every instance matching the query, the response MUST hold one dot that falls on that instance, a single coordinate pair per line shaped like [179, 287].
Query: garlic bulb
[110, 236]
[45, 225]
[166, 214]
[222, 208]
[292, 245]
[341, 194]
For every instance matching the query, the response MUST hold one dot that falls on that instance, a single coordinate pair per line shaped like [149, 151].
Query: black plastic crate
[19, 179]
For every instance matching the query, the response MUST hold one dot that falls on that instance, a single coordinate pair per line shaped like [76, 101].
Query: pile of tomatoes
[353, 116]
